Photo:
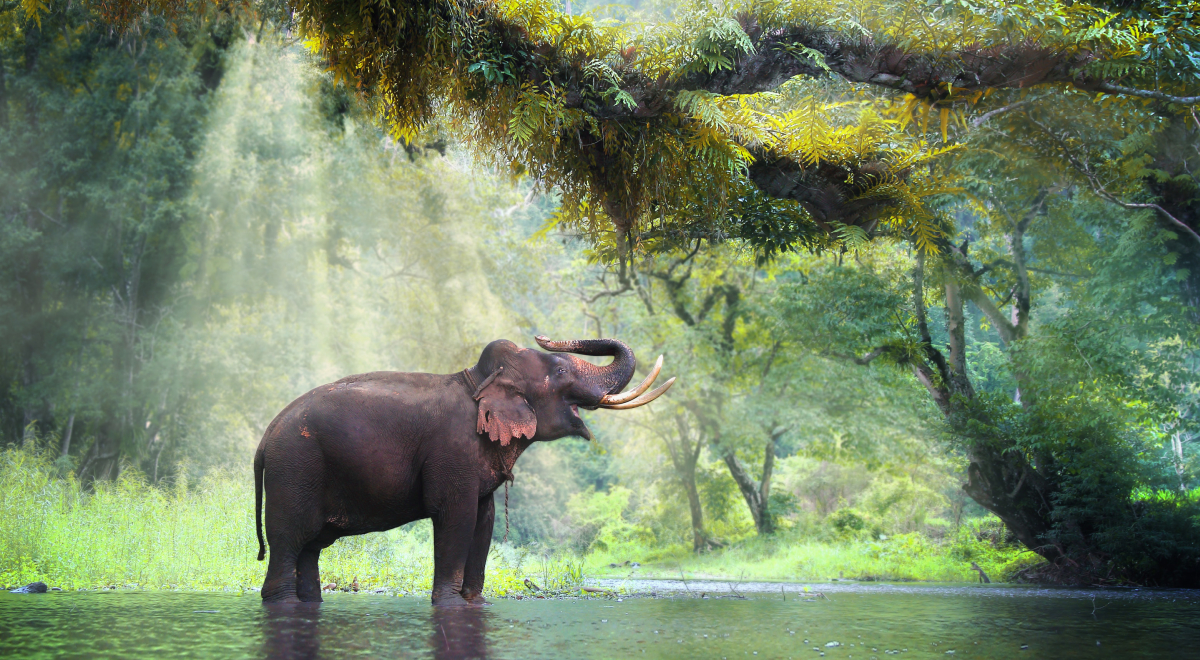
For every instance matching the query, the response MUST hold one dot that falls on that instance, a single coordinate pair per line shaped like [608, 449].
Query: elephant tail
[259, 464]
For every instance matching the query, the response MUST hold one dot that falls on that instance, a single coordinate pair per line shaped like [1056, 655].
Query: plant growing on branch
[695, 124]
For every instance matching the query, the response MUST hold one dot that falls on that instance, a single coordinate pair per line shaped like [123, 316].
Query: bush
[1112, 526]
[599, 520]
[852, 523]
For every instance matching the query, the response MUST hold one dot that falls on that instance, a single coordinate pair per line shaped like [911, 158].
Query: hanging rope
[506, 483]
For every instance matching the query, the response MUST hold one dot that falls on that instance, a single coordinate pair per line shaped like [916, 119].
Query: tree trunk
[700, 539]
[1008, 486]
[1001, 481]
[684, 457]
[756, 493]
[28, 413]
[3, 98]
[106, 461]
[66, 439]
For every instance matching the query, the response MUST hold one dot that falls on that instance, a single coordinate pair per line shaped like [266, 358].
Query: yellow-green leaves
[33, 10]
[531, 113]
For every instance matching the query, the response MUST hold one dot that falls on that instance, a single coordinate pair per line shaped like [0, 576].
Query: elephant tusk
[644, 399]
[613, 399]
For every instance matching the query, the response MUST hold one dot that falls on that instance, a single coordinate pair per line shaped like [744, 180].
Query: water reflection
[460, 633]
[292, 631]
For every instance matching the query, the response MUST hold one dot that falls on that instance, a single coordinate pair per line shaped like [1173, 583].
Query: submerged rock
[31, 588]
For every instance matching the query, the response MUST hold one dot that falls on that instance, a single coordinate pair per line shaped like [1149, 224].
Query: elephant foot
[475, 599]
[450, 600]
[279, 594]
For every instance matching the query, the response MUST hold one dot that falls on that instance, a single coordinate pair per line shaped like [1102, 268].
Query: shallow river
[696, 620]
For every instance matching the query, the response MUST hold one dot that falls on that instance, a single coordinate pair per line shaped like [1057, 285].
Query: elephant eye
[562, 370]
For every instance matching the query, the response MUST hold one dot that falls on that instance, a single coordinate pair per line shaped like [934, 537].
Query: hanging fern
[668, 121]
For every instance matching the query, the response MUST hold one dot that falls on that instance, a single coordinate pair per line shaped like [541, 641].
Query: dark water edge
[867, 621]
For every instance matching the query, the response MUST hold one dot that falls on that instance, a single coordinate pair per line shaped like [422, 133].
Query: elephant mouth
[582, 428]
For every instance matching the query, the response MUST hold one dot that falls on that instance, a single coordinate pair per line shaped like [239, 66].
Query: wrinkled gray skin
[375, 451]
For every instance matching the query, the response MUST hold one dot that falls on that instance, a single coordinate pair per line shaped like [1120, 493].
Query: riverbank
[200, 536]
[957, 556]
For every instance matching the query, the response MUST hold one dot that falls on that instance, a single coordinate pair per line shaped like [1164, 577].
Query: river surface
[693, 620]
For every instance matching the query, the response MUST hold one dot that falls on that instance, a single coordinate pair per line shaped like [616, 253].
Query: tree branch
[1094, 181]
[983, 119]
[932, 353]
[865, 359]
[1121, 90]
[471, 52]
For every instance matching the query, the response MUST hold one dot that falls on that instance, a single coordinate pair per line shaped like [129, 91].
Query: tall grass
[902, 557]
[130, 534]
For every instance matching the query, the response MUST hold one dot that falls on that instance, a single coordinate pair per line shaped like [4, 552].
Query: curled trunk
[611, 378]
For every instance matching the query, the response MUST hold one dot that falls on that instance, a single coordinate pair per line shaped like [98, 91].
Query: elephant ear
[504, 414]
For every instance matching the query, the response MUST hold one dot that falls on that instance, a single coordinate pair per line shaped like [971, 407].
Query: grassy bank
[129, 534]
[903, 557]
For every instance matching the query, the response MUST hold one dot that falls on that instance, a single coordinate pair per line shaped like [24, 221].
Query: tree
[749, 392]
[96, 158]
[685, 442]
[1059, 446]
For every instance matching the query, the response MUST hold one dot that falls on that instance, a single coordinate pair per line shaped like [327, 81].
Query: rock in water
[31, 588]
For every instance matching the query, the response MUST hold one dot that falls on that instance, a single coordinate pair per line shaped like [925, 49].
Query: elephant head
[527, 393]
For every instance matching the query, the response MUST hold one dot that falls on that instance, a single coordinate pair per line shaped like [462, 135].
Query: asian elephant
[375, 451]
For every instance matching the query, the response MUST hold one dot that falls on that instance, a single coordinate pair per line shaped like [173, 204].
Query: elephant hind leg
[280, 583]
[308, 573]
[290, 539]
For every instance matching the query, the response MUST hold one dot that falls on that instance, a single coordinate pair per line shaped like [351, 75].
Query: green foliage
[1114, 501]
[851, 523]
[847, 310]
[986, 542]
[601, 523]
[903, 557]
[95, 166]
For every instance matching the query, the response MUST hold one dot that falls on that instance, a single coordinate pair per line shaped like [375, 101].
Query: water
[866, 620]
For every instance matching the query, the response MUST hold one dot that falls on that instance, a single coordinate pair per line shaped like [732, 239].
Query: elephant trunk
[609, 379]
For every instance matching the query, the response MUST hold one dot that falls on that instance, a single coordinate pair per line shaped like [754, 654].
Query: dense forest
[914, 263]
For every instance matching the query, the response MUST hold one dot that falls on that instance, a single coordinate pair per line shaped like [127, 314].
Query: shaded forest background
[198, 224]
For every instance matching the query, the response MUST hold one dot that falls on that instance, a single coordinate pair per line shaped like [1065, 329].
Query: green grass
[789, 558]
[200, 536]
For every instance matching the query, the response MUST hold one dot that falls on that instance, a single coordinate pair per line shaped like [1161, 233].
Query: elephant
[374, 451]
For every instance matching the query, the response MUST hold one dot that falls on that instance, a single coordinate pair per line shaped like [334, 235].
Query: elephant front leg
[481, 543]
[453, 532]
